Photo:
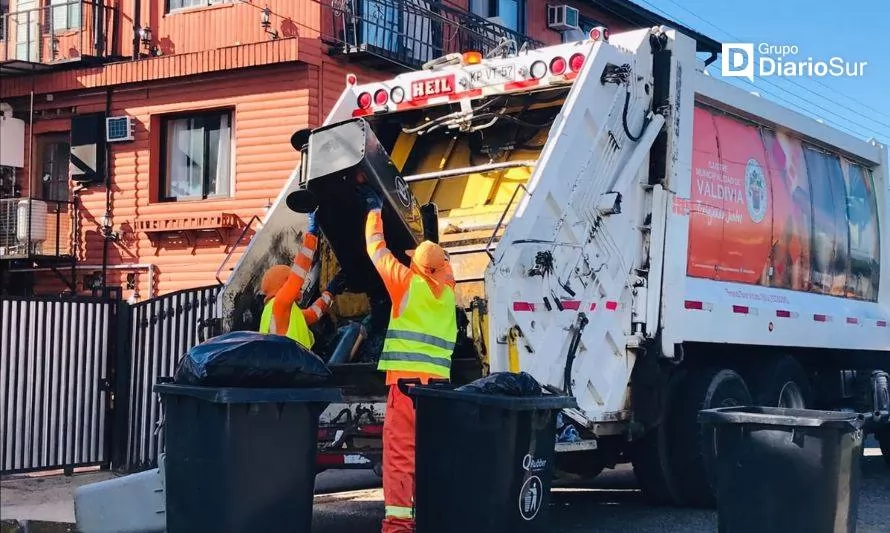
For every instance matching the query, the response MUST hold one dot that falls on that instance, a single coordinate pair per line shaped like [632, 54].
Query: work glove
[371, 198]
[313, 225]
[337, 285]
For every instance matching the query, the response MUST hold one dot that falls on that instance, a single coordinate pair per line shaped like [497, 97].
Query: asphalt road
[612, 503]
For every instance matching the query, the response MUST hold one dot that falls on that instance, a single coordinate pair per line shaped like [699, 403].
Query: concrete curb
[35, 526]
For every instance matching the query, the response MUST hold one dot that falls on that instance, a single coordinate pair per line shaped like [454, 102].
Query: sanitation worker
[419, 343]
[281, 286]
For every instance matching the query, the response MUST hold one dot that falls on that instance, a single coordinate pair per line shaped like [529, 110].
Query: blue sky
[856, 30]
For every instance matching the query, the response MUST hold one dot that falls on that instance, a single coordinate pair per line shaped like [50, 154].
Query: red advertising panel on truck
[767, 209]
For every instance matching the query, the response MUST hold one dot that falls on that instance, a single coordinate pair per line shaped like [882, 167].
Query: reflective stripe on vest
[296, 328]
[394, 511]
[422, 337]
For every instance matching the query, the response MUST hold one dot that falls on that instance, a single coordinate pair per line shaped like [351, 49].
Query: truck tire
[781, 382]
[649, 455]
[690, 445]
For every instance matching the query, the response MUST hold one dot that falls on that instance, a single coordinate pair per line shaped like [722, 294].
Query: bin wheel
[782, 382]
[691, 453]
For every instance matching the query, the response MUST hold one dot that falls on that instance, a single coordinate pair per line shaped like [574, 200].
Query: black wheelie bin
[483, 463]
[341, 157]
[240, 460]
[782, 470]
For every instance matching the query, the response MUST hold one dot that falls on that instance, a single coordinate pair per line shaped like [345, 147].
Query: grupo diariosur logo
[739, 60]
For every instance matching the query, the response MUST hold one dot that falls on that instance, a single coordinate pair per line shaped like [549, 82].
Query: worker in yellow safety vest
[419, 343]
[281, 286]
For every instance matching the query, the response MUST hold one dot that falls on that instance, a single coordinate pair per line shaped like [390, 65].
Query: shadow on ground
[611, 504]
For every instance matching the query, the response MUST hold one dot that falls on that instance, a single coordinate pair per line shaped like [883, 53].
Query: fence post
[123, 352]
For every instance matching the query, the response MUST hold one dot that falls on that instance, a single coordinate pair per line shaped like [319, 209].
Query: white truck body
[595, 245]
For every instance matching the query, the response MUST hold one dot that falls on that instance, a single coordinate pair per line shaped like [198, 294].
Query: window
[66, 14]
[173, 5]
[508, 13]
[197, 160]
[54, 153]
[4, 9]
[585, 24]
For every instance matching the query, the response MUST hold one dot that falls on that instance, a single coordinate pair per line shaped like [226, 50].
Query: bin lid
[779, 416]
[249, 395]
[511, 403]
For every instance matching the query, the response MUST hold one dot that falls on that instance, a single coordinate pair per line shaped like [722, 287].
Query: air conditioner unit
[119, 129]
[562, 18]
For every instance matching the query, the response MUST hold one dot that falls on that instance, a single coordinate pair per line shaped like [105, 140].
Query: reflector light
[380, 97]
[364, 100]
[576, 62]
[397, 95]
[351, 79]
[557, 66]
[538, 70]
[692, 304]
[472, 58]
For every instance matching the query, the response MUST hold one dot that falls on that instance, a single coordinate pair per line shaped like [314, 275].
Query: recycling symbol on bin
[531, 497]
[403, 192]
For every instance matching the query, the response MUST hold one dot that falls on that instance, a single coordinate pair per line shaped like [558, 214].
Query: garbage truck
[622, 226]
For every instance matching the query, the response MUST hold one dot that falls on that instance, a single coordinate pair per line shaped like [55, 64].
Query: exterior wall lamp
[266, 22]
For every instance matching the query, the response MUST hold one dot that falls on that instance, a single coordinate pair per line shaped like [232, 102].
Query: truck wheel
[781, 383]
[649, 455]
[691, 451]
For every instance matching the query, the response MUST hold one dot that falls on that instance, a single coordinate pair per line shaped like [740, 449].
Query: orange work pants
[398, 463]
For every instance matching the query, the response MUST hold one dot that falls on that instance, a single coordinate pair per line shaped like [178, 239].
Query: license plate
[432, 87]
[489, 75]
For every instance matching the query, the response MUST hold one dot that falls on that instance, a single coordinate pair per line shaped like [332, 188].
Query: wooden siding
[268, 105]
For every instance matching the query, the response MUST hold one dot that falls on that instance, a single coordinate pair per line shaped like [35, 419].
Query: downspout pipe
[106, 230]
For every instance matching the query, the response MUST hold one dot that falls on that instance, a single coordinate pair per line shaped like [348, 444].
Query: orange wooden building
[157, 132]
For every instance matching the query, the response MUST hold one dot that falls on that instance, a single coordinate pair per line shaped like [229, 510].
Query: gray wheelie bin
[786, 470]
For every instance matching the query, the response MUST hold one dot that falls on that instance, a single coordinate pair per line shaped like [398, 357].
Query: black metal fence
[76, 377]
[161, 330]
[55, 369]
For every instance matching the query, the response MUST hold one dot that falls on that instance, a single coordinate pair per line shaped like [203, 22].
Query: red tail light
[557, 66]
[364, 100]
[380, 97]
[576, 62]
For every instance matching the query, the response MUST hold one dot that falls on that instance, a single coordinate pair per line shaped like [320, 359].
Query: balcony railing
[59, 32]
[408, 33]
[31, 228]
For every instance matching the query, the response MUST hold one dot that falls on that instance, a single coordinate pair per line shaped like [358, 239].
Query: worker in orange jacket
[419, 343]
[281, 286]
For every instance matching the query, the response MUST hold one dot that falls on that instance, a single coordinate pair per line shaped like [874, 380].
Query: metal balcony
[57, 35]
[39, 230]
[404, 34]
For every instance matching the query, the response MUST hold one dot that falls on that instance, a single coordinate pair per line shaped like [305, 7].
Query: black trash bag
[505, 384]
[250, 359]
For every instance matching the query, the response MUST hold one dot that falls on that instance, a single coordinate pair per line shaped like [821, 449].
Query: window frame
[38, 190]
[493, 6]
[164, 163]
[70, 23]
[4, 10]
[200, 4]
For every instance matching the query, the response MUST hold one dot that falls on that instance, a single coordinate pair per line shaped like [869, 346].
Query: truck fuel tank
[341, 157]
